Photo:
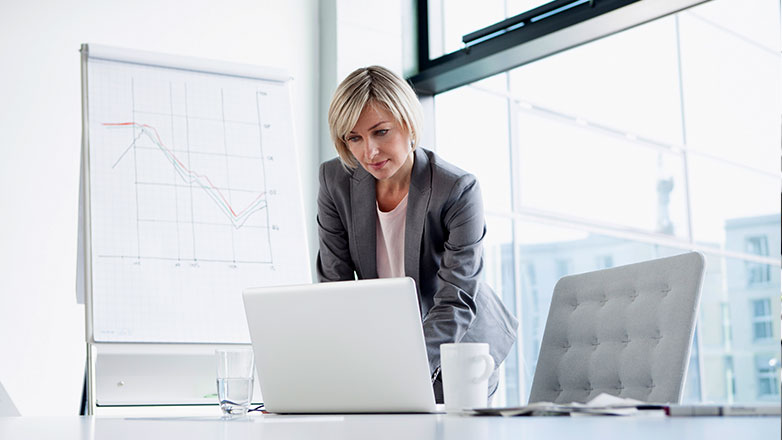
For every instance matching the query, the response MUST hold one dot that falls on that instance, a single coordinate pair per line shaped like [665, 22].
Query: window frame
[504, 45]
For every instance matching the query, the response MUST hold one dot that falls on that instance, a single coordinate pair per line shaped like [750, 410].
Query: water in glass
[234, 395]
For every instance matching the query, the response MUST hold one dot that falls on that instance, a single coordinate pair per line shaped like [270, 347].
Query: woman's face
[379, 143]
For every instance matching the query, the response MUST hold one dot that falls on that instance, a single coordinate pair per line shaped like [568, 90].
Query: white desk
[392, 427]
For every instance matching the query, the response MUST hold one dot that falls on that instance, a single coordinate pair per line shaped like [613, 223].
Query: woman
[389, 209]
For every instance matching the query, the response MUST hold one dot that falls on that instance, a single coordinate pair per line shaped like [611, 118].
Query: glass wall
[643, 144]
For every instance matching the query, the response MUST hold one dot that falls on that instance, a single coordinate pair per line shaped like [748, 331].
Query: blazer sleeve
[458, 278]
[334, 262]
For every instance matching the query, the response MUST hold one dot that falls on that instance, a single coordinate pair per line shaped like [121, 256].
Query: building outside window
[536, 319]
[730, 379]
[727, 335]
[564, 267]
[604, 262]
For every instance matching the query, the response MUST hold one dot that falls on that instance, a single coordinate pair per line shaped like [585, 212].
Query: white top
[391, 241]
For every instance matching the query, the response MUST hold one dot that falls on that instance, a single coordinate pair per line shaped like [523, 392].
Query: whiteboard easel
[165, 250]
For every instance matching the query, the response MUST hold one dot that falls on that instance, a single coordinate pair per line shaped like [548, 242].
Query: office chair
[626, 331]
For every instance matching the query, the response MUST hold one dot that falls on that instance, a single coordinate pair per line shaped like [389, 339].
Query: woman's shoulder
[446, 173]
[334, 172]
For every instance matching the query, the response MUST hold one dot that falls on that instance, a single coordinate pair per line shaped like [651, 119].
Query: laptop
[341, 347]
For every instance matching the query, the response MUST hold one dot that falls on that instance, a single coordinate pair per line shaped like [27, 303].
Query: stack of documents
[604, 404]
[608, 405]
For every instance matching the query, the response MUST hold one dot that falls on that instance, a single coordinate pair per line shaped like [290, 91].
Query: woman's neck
[391, 191]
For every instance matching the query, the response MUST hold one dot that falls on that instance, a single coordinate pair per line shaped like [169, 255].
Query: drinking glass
[235, 369]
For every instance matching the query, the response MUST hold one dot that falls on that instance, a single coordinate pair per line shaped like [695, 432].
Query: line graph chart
[194, 196]
[146, 141]
[192, 177]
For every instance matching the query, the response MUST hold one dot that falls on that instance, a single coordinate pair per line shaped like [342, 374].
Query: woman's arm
[334, 262]
[458, 278]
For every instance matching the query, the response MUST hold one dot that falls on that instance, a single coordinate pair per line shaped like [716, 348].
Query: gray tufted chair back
[625, 331]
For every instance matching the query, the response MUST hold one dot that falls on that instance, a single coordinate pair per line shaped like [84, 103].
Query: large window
[757, 273]
[768, 378]
[762, 327]
[643, 144]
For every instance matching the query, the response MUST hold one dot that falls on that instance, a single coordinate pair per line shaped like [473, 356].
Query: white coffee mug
[465, 369]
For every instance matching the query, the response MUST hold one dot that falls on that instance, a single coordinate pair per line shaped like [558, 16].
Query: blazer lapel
[417, 207]
[364, 207]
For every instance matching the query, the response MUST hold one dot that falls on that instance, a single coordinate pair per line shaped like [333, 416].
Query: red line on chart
[189, 175]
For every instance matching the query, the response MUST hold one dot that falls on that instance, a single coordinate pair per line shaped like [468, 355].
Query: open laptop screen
[342, 347]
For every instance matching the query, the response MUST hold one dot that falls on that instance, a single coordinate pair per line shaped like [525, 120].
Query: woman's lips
[378, 165]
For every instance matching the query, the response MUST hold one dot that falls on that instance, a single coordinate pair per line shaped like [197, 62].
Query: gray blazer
[444, 231]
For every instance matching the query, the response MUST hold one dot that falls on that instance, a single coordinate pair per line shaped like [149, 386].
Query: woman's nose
[371, 149]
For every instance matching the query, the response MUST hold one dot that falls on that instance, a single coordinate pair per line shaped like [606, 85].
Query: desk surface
[446, 427]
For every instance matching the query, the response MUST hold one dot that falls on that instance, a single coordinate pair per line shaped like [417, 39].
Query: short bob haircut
[373, 85]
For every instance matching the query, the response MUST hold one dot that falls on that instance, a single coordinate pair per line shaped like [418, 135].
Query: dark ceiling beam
[533, 40]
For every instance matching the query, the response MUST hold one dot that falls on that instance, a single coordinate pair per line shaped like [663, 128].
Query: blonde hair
[373, 85]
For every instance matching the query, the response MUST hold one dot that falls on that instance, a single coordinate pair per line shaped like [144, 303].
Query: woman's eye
[382, 132]
[353, 139]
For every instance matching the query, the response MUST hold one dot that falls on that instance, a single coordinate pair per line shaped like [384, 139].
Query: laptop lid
[342, 347]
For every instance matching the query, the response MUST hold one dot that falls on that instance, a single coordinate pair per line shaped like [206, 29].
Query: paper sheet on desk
[603, 404]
